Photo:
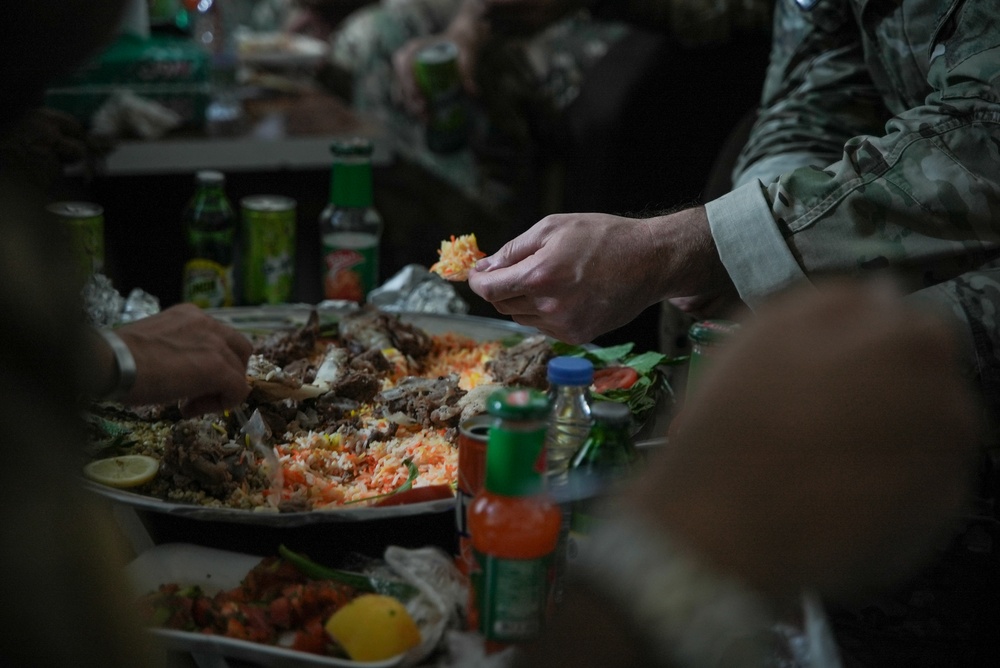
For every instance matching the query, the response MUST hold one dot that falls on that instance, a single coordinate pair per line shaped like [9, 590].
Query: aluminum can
[85, 223]
[268, 248]
[436, 71]
[472, 435]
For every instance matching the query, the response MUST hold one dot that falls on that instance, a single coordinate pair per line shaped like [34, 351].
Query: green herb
[358, 581]
[642, 396]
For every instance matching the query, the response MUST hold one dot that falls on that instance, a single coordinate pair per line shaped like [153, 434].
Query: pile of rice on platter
[359, 412]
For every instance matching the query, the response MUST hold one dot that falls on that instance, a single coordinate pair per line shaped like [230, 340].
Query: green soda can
[436, 71]
[84, 222]
[268, 234]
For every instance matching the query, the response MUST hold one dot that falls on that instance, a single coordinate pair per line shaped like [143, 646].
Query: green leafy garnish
[642, 396]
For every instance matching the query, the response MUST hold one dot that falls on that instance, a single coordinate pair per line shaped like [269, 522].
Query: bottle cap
[566, 370]
[210, 177]
[515, 455]
[518, 405]
[711, 331]
[610, 411]
[355, 146]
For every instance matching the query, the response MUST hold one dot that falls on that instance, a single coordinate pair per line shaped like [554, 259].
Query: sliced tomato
[417, 494]
[614, 378]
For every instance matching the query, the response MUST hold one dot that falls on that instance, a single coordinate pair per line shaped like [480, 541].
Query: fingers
[402, 64]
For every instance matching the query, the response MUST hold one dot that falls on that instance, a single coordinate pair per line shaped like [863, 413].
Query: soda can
[436, 71]
[472, 435]
[268, 248]
[85, 223]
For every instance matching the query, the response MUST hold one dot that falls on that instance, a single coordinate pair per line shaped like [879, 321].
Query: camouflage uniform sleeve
[848, 171]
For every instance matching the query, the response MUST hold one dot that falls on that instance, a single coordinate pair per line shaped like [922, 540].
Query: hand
[468, 31]
[184, 354]
[829, 446]
[576, 276]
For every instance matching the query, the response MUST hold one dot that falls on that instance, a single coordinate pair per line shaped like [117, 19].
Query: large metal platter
[271, 318]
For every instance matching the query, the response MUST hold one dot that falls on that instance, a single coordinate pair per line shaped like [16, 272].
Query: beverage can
[85, 224]
[269, 223]
[472, 436]
[436, 71]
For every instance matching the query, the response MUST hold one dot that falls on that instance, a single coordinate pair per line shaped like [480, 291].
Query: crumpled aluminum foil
[417, 289]
[104, 306]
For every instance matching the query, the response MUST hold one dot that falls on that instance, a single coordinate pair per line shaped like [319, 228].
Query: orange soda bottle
[513, 524]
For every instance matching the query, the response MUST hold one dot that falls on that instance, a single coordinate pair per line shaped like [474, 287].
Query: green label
[350, 265]
[269, 260]
[208, 284]
[512, 596]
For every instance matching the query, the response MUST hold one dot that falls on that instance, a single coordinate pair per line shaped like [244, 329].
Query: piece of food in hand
[123, 471]
[457, 257]
[373, 627]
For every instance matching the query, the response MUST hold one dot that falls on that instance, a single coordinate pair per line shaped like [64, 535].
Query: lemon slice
[373, 627]
[123, 471]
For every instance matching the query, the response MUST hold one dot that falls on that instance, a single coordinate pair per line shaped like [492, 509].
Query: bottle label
[350, 264]
[208, 284]
[512, 596]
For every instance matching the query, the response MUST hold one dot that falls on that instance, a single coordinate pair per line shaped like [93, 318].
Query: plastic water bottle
[569, 419]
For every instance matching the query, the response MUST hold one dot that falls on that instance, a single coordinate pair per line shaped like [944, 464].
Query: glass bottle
[210, 227]
[513, 525]
[606, 456]
[350, 226]
[706, 337]
[569, 420]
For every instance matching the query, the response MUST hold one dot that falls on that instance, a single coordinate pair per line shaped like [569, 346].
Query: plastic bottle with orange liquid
[513, 524]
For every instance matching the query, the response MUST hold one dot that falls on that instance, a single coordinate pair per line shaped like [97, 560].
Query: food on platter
[123, 471]
[279, 603]
[361, 411]
[456, 257]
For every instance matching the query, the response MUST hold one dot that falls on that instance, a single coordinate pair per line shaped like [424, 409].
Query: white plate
[215, 570]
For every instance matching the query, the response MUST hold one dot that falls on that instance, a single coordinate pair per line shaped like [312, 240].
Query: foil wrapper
[104, 306]
[416, 289]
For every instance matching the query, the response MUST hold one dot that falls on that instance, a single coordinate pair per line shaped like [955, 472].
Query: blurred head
[43, 39]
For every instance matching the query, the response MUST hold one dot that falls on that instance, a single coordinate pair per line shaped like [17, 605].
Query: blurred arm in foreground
[829, 448]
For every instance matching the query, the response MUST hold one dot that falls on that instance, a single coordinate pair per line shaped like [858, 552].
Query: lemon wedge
[123, 471]
[373, 627]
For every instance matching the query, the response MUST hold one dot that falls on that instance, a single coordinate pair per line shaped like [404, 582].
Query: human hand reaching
[468, 31]
[183, 354]
[576, 276]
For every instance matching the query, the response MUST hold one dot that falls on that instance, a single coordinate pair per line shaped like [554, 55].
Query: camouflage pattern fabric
[877, 149]
[877, 146]
[529, 79]
[528, 82]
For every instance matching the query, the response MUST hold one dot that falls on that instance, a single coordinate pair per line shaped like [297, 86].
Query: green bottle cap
[514, 449]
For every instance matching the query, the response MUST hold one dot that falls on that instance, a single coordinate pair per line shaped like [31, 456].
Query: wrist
[687, 613]
[119, 382]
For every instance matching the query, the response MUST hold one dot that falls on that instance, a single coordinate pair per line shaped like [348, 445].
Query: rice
[325, 469]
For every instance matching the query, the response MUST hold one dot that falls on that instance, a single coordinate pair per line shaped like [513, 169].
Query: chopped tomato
[614, 378]
[417, 494]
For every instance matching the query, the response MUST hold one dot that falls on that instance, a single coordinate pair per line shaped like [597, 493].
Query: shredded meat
[432, 402]
[523, 365]
[282, 348]
[369, 328]
[197, 456]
